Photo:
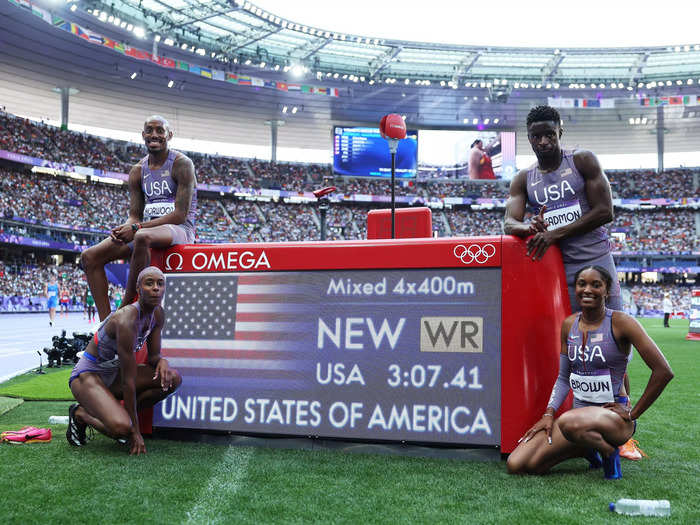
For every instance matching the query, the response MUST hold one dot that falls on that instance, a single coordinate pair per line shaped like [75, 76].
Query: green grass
[180, 482]
[8, 403]
[52, 386]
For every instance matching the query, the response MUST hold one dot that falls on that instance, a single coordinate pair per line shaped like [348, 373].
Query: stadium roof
[239, 33]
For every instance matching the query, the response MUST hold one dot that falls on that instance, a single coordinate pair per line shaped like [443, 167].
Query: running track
[21, 335]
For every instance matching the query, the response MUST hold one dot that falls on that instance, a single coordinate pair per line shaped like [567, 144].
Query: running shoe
[28, 435]
[631, 450]
[76, 432]
[611, 466]
[22, 430]
[594, 458]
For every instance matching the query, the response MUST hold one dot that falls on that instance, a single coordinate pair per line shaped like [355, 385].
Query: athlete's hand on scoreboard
[537, 244]
[537, 222]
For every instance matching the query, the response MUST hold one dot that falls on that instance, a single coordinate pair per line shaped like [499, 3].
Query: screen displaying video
[470, 154]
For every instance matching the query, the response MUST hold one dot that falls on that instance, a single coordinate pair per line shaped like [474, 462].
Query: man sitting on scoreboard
[162, 211]
[571, 201]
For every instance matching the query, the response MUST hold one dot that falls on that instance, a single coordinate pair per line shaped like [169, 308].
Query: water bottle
[58, 420]
[642, 507]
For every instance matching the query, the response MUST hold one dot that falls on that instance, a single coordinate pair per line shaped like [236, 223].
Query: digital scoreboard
[362, 152]
[382, 340]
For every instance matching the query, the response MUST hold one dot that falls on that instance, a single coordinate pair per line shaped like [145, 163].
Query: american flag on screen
[248, 329]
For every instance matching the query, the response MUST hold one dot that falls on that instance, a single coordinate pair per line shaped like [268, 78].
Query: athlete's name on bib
[158, 209]
[559, 217]
[595, 388]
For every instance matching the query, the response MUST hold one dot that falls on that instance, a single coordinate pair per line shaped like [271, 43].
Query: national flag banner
[137, 53]
[205, 72]
[218, 74]
[119, 47]
[94, 38]
[184, 66]
[167, 62]
[22, 3]
[282, 86]
[108, 42]
[258, 82]
[57, 20]
[271, 84]
[293, 87]
[307, 89]
[675, 101]
[322, 91]
[232, 78]
[334, 92]
[195, 69]
[41, 13]
[244, 80]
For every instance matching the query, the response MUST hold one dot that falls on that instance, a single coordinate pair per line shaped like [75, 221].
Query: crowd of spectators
[662, 231]
[25, 195]
[671, 183]
[647, 298]
[51, 143]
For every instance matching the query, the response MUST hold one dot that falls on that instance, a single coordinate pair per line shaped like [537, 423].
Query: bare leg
[144, 240]
[98, 407]
[572, 435]
[148, 390]
[93, 261]
[52, 315]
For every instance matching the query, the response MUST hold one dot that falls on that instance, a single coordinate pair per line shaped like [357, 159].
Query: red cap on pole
[392, 127]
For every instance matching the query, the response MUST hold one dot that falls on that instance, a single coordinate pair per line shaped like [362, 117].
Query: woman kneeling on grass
[595, 344]
[107, 371]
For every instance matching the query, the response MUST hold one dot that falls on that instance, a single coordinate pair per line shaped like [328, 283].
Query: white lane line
[225, 482]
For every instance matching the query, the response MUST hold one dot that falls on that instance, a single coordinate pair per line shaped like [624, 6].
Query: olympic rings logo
[474, 253]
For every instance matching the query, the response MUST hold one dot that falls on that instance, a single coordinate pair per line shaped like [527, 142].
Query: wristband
[547, 414]
[135, 227]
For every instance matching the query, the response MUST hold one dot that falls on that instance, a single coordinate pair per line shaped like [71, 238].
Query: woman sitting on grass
[595, 344]
[107, 372]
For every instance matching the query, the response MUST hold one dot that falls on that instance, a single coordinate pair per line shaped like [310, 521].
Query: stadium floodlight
[171, 83]
[686, 48]
[601, 85]
[465, 121]
[294, 109]
[284, 109]
[539, 86]
[103, 17]
[638, 120]
[133, 75]
[407, 81]
[630, 88]
[556, 85]
[183, 46]
[201, 51]
[110, 18]
[631, 121]
[516, 85]
[644, 120]
[156, 38]
[277, 67]
[371, 82]
[475, 121]
[690, 82]
[486, 121]
[668, 82]
[442, 83]
[213, 54]
[677, 49]
[140, 32]
[248, 62]
[96, 13]
[335, 75]
[262, 65]
[169, 42]
[679, 82]
[496, 120]
[116, 21]
[297, 70]
[73, 8]
[696, 47]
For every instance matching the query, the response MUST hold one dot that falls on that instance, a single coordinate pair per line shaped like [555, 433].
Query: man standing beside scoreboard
[571, 199]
